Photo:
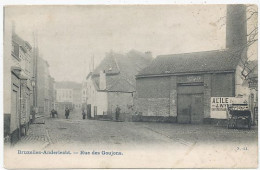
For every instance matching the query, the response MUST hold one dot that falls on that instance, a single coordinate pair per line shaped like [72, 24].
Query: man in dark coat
[67, 113]
[83, 114]
[117, 112]
[53, 113]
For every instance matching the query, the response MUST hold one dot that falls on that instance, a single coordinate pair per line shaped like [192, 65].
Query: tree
[248, 45]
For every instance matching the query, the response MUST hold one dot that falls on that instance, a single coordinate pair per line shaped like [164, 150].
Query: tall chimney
[102, 80]
[236, 26]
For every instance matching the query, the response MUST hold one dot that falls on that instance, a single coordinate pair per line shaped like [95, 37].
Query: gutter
[180, 74]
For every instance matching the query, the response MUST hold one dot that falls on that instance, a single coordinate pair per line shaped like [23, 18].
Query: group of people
[67, 113]
[54, 113]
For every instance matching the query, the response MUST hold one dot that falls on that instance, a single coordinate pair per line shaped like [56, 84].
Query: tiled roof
[121, 70]
[207, 61]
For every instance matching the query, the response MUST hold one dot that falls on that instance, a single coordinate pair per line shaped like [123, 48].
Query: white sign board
[219, 107]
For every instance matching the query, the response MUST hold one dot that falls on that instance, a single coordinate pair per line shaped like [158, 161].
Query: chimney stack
[148, 55]
[102, 80]
[236, 26]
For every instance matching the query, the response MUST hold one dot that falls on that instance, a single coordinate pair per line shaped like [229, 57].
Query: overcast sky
[69, 35]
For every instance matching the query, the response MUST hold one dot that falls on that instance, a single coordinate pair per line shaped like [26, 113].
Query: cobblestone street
[186, 141]
[57, 131]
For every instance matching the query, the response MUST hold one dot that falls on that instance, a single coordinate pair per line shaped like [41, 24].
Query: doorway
[190, 104]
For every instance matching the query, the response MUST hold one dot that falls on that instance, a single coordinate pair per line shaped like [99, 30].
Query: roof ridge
[196, 52]
[116, 62]
[192, 62]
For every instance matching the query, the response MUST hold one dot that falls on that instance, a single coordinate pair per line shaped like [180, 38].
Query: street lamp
[33, 83]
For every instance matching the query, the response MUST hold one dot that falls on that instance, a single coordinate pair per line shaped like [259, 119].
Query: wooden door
[89, 110]
[197, 109]
[184, 108]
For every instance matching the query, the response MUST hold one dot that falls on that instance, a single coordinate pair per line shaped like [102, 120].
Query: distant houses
[68, 94]
[112, 84]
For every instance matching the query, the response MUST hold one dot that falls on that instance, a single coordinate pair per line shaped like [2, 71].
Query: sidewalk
[37, 136]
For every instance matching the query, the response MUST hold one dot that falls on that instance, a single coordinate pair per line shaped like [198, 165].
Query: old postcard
[131, 86]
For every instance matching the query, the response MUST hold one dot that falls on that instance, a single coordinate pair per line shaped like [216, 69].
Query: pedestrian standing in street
[117, 112]
[56, 113]
[83, 114]
[53, 113]
[67, 113]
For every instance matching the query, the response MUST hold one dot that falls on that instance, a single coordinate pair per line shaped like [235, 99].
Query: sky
[69, 35]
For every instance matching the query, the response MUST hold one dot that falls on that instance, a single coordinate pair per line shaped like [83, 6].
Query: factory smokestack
[236, 26]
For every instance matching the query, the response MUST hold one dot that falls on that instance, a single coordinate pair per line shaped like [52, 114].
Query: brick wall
[207, 95]
[123, 100]
[173, 96]
[153, 106]
[153, 87]
[157, 96]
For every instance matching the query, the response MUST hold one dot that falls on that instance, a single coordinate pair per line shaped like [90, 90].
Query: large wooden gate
[89, 111]
[190, 104]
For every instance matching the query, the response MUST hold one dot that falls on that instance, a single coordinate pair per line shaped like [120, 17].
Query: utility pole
[35, 69]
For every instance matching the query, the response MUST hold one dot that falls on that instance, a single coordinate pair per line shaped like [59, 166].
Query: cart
[239, 113]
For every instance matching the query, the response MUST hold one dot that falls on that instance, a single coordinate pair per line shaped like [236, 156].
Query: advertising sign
[219, 107]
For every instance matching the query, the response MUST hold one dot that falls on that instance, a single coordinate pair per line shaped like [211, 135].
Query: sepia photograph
[130, 86]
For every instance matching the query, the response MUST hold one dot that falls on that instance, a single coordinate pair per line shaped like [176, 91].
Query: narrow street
[95, 132]
[137, 140]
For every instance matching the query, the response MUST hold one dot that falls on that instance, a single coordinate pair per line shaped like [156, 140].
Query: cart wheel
[228, 124]
[236, 124]
[249, 124]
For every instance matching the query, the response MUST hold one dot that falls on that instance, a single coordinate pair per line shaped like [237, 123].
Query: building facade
[68, 94]
[112, 84]
[18, 75]
[45, 87]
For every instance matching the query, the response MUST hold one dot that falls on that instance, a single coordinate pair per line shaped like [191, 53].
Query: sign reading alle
[219, 107]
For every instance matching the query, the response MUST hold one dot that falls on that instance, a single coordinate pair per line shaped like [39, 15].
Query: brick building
[175, 86]
[179, 87]
[112, 83]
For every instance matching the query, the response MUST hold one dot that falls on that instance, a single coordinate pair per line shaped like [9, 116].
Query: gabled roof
[121, 70]
[207, 61]
[108, 64]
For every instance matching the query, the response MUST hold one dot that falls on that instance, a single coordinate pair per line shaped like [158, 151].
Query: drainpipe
[20, 113]
[20, 110]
